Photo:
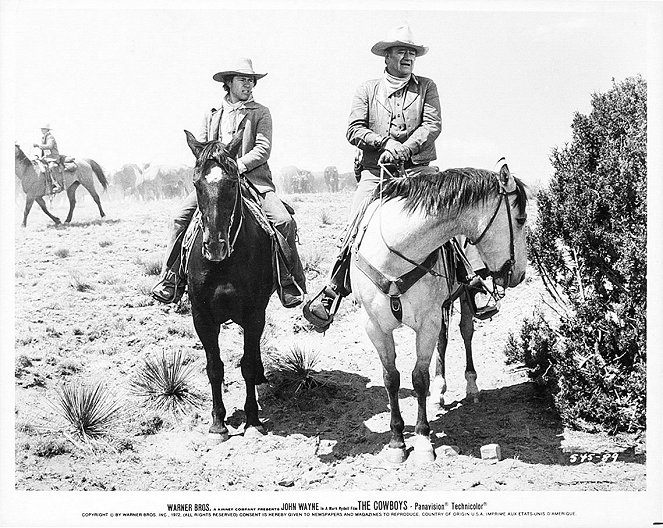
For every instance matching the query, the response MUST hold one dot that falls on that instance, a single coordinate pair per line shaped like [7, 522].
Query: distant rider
[51, 157]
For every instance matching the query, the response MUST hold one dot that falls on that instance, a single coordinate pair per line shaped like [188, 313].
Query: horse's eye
[521, 220]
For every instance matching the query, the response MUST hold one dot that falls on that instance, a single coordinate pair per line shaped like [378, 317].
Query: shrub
[150, 424]
[297, 369]
[62, 253]
[78, 282]
[325, 217]
[589, 244]
[150, 267]
[50, 447]
[165, 384]
[91, 410]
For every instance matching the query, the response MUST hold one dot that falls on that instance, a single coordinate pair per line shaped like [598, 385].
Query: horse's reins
[238, 202]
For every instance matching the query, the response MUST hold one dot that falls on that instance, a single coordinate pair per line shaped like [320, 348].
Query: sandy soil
[328, 438]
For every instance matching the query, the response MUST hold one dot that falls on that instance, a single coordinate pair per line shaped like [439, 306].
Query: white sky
[120, 84]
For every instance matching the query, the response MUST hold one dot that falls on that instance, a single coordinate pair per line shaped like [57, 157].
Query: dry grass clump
[314, 260]
[165, 384]
[150, 267]
[325, 217]
[79, 282]
[90, 410]
[62, 253]
[49, 447]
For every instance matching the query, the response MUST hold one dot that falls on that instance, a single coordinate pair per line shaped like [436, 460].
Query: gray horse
[36, 187]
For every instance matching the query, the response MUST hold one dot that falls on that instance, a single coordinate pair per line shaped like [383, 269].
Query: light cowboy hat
[399, 36]
[46, 126]
[241, 66]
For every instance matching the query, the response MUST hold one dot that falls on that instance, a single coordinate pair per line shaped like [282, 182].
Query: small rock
[287, 483]
[491, 452]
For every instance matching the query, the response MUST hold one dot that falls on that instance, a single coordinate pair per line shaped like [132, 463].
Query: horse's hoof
[423, 456]
[254, 432]
[423, 452]
[395, 455]
[57, 221]
[472, 397]
[217, 438]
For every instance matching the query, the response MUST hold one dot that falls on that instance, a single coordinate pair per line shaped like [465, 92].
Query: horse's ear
[195, 145]
[506, 179]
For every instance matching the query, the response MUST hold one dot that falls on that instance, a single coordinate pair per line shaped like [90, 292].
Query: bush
[50, 447]
[165, 384]
[589, 244]
[91, 410]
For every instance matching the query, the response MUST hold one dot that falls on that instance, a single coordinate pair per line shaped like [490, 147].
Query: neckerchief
[393, 84]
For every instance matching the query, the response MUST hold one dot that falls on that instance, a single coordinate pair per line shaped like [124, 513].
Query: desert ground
[84, 314]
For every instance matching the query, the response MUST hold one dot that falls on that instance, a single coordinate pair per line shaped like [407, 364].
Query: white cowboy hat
[242, 66]
[46, 126]
[399, 36]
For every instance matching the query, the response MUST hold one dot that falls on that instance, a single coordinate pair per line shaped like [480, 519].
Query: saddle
[68, 163]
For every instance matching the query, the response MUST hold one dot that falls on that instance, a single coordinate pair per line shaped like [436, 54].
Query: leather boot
[169, 289]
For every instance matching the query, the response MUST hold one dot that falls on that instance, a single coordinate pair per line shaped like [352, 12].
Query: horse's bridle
[507, 268]
[238, 206]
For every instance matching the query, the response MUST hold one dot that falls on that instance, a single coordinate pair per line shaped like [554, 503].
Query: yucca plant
[297, 367]
[164, 384]
[91, 410]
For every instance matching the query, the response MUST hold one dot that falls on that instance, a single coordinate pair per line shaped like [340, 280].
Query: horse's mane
[216, 151]
[449, 191]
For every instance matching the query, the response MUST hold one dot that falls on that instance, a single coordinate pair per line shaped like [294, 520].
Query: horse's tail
[99, 172]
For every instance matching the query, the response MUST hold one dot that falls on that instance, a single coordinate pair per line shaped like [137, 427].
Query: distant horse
[229, 274]
[35, 185]
[331, 178]
[423, 212]
[124, 180]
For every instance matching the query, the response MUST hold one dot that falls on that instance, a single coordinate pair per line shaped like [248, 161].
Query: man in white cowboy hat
[50, 156]
[394, 120]
[238, 108]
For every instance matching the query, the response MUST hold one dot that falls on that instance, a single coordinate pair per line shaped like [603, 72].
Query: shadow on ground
[519, 418]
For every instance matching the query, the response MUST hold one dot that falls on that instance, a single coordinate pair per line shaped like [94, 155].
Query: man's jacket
[256, 141]
[371, 115]
[49, 147]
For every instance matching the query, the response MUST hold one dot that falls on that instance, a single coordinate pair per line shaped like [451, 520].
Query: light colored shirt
[230, 119]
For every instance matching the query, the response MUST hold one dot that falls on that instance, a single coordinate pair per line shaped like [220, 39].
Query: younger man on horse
[50, 157]
[238, 110]
[394, 121]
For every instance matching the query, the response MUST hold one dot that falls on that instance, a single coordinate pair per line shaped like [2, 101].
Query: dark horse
[36, 187]
[229, 274]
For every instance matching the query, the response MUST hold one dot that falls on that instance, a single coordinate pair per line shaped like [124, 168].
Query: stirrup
[477, 285]
[321, 325]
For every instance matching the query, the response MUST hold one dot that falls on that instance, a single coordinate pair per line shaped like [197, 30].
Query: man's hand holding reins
[398, 151]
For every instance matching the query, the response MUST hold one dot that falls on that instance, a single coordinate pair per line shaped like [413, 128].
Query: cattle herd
[154, 182]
